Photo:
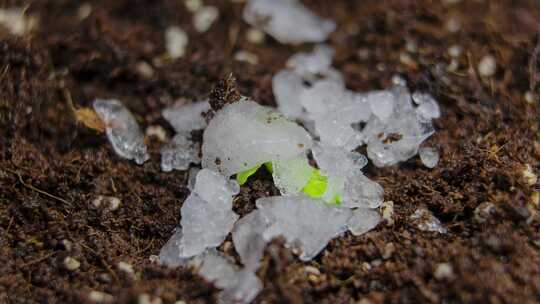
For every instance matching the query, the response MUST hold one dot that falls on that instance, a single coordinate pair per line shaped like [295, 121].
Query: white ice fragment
[207, 216]
[322, 96]
[204, 17]
[176, 41]
[335, 161]
[248, 239]
[287, 87]
[188, 117]
[238, 285]
[244, 134]
[291, 175]
[192, 178]
[306, 224]
[381, 104]
[429, 156]
[288, 21]
[363, 220]
[170, 253]
[336, 126]
[122, 130]
[427, 108]
[360, 191]
[317, 62]
[426, 221]
[179, 153]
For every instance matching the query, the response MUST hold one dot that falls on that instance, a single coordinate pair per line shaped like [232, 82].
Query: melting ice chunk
[239, 285]
[287, 87]
[244, 134]
[169, 255]
[188, 117]
[428, 108]
[122, 130]
[363, 220]
[179, 153]
[207, 216]
[248, 239]
[288, 21]
[426, 221]
[381, 104]
[360, 191]
[307, 224]
[429, 156]
[291, 175]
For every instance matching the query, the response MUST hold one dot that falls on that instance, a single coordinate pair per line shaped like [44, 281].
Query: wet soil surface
[52, 167]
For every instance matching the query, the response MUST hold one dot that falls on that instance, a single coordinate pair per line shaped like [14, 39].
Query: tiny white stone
[453, 25]
[487, 66]
[84, 11]
[176, 41]
[16, 20]
[529, 97]
[443, 271]
[71, 263]
[204, 18]
[455, 51]
[126, 267]
[100, 297]
[157, 131]
[528, 175]
[388, 212]
[254, 35]
[245, 56]
[145, 69]
[193, 5]
[483, 212]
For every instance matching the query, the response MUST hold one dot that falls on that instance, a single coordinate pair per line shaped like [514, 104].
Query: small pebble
[452, 25]
[411, 46]
[388, 212]
[176, 41]
[312, 270]
[110, 202]
[483, 212]
[455, 51]
[366, 266]
[443, 271]
[153, 258]
[407, 60]
[180, 302]
[145, 69]
[487, 66]
[71, 263]
[157, 131]
[147, 299]
[529, 97]
[204, 18]
[529, 175]
[254, 35]
[193, 5]
[100, 297]
[84, 11]
[389, 250]
[245, 56]
[363, 53]
[126, 267]
[68, 245]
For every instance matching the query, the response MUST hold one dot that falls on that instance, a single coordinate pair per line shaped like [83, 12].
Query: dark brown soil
[52, 167]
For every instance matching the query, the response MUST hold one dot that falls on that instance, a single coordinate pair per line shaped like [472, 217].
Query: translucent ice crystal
[207, 215]
[317, 62]
[428, 108]
[188, 117]
[244, 134]
[306, 224]
[287, 86]
[179, 153]
[429, 156]
[363, 220]
[291, 175]
[426, 221]
[288, 21]
[248, 240]
[381, 104]
[238, 285]
[122, 130]
[169, 255]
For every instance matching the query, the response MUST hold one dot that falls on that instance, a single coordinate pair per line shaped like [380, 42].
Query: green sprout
[315, 187]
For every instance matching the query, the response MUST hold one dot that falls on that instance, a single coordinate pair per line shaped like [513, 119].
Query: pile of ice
[392, 123]
[288, 21]
[245, 135]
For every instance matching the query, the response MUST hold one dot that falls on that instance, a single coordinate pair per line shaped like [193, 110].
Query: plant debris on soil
[62, 242]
